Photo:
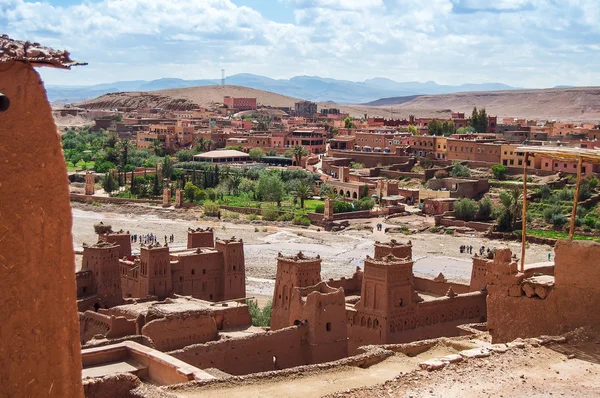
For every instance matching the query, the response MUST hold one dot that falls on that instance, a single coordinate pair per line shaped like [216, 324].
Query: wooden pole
[575, 199]
[524, 214]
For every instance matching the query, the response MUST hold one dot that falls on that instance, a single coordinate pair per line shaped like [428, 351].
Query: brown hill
[576, 104]
[207, 96]
[186, 98]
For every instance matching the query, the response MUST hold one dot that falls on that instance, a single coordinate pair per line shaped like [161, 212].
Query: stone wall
[351, 286]
[93, 323]
[174, 332]
[284, 348]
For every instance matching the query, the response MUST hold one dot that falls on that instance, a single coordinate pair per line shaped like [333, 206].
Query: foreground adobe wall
[176, 332]
[39, 336]
[284, 348]
[572, 303]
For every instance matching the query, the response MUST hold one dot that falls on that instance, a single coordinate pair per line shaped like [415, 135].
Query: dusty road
[341, 252]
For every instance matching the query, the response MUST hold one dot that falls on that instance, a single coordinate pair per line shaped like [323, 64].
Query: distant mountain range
[311, 88]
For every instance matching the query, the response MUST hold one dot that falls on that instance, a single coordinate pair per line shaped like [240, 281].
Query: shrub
[458, 170]
[593, 182]
[285, 217]
[545, 191]
[499, 171]
[256, 229]
[484, 211]
[565, 195]
[587, 229]
[558, 220]
[260, 317]
[190, 191]
[550, 212]
[426, 162]
[252, 217]
[434, 229]
[342, 207]
[211, 208]
[441, 174]
[465, 209]
[234, 216]
[301, 220]
[320, 208]
[356, 165]
[270, 213]
[363, 204]
[211, 194]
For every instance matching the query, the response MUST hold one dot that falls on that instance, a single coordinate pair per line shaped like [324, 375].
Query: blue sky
[525, 43]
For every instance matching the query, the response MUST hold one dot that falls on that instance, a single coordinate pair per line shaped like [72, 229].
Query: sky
[523, 43]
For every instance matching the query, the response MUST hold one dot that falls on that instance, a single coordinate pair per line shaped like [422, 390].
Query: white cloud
[519, 42]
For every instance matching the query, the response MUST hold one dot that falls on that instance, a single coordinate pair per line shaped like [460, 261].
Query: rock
[432, 364]
[499, 348]
[475, 353]
[452, 358]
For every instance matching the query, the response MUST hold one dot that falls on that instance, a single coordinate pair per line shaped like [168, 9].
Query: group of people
[469, 250]
[150, 238]
[379, 227]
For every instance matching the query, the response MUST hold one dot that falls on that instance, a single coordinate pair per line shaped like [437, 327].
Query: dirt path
[322, 383]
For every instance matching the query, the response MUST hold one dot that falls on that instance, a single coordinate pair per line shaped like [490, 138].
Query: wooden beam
[575, 199]
[524, 214]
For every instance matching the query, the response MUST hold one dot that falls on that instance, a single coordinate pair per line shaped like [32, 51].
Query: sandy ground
[341, 251]
[532, 372]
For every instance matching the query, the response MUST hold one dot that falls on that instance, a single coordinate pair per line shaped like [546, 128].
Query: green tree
[256, 154]
[474, 120]
[434, 127]
[270, 188]
[298, 151]
[125, 146]
[465, 130]
[458, 170]
[356, 165]
[348, 123]
[303, 191]
[190, 191]
[260, 317]
[484, 210]
[109, 183]
[465, 209]
[412, 129]
[499, 171]
[211, 208]
[510, 211]
[167, 167]
[479, 120]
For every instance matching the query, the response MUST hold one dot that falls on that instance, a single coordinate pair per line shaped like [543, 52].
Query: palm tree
[511, 209]
[303, 191]
[298, 151]
[125, 146]
[331, 195]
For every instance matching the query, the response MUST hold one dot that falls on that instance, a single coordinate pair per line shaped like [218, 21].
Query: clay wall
[227, 317]
[397, 249]
[200, 238]
[85, 283]
[155, 270]
[571, 303]
[292, 271]
[351, 286]
[234, 268]
[199, 274]
[102, 260]
[370, 159]
[323, 308]
[121, 239]
[438, 288]
[174, 332]
[276, 350]
[93, 323]
[429, 319]
[453, 222]
[478, 281]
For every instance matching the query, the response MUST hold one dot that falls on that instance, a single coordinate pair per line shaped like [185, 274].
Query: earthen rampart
[174, 332]
[519, 306]
[284, 348]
